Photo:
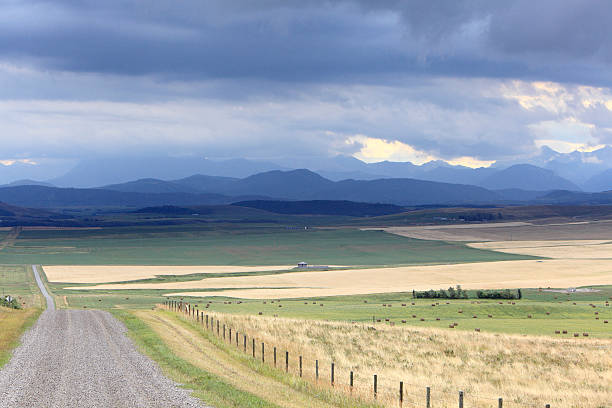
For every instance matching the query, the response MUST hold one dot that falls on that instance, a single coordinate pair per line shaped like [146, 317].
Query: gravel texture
[78, 358]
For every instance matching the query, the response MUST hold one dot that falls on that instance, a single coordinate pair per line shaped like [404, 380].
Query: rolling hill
[54, 197]
[323, 207]
[527, 177]
[600, 182]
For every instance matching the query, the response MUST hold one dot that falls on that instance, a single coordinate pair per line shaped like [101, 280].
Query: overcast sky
[467, 81]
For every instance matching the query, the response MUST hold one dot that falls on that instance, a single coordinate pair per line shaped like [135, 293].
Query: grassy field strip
[549, 311]
[121, 273]
[491, 275]
[19, 282]
[588, 249]
[525, 370]
[208, 387]
[234, 245]
[13, 324]
[10, 238]
[511, 231]
[191, 343]
[461, 232]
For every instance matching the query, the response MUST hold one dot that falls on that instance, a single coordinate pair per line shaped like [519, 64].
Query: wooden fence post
[236, 338]
[274, 356]
[245, 343]
[332, 374]
[300, 366]
[253, 348]
[286, 361]
[206, 322]
[317, 370]
[375, 386]
[223, 332]
[217, 327]
[500, 403]
[351, 382]
[428, 397]
[460, 399]
[263, 352]
[401, 393]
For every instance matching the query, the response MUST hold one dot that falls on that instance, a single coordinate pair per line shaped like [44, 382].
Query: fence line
[401, 396]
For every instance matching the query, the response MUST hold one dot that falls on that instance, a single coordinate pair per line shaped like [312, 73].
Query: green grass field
[17, 281]
[506, 317]
[195, 245]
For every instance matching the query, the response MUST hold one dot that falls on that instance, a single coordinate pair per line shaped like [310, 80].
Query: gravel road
[78, 358]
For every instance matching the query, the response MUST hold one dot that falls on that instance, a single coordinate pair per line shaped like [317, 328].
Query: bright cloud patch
[375, 150]
[10, 162]
[472, 162]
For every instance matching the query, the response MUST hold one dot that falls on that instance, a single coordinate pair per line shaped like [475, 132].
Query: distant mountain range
[547, 171]
[97, 172]
[306, 186]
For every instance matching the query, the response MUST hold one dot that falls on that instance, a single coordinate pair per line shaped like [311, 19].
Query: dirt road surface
[78, 358]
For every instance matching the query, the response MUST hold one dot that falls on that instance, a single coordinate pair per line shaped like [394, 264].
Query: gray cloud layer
[267, 78]
[314, 40]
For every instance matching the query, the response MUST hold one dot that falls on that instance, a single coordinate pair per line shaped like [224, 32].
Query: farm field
[118, 273]
[510, 231]
[525, 371]
[17, 281]
[496, 348]
[576, 249]
[490, 275]
[549, 311]
[233, 245]
[505, 317]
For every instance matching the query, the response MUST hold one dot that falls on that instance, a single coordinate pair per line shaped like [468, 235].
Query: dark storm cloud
[271, 77]
[313, 40]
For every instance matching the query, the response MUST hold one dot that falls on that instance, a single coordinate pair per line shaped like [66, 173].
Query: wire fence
[325, 373]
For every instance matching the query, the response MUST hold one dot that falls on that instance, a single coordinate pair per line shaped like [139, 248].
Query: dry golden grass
[120, 273]
[575, 249]
[486, 275]
[461, 232]
[12, 325]
[525, 371]
[522, 231]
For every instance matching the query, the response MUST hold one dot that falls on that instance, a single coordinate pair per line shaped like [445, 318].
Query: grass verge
[219, 374]
[206, 386]
[14, 323]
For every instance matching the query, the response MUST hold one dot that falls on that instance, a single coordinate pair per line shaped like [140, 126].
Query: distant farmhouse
[304, 265]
